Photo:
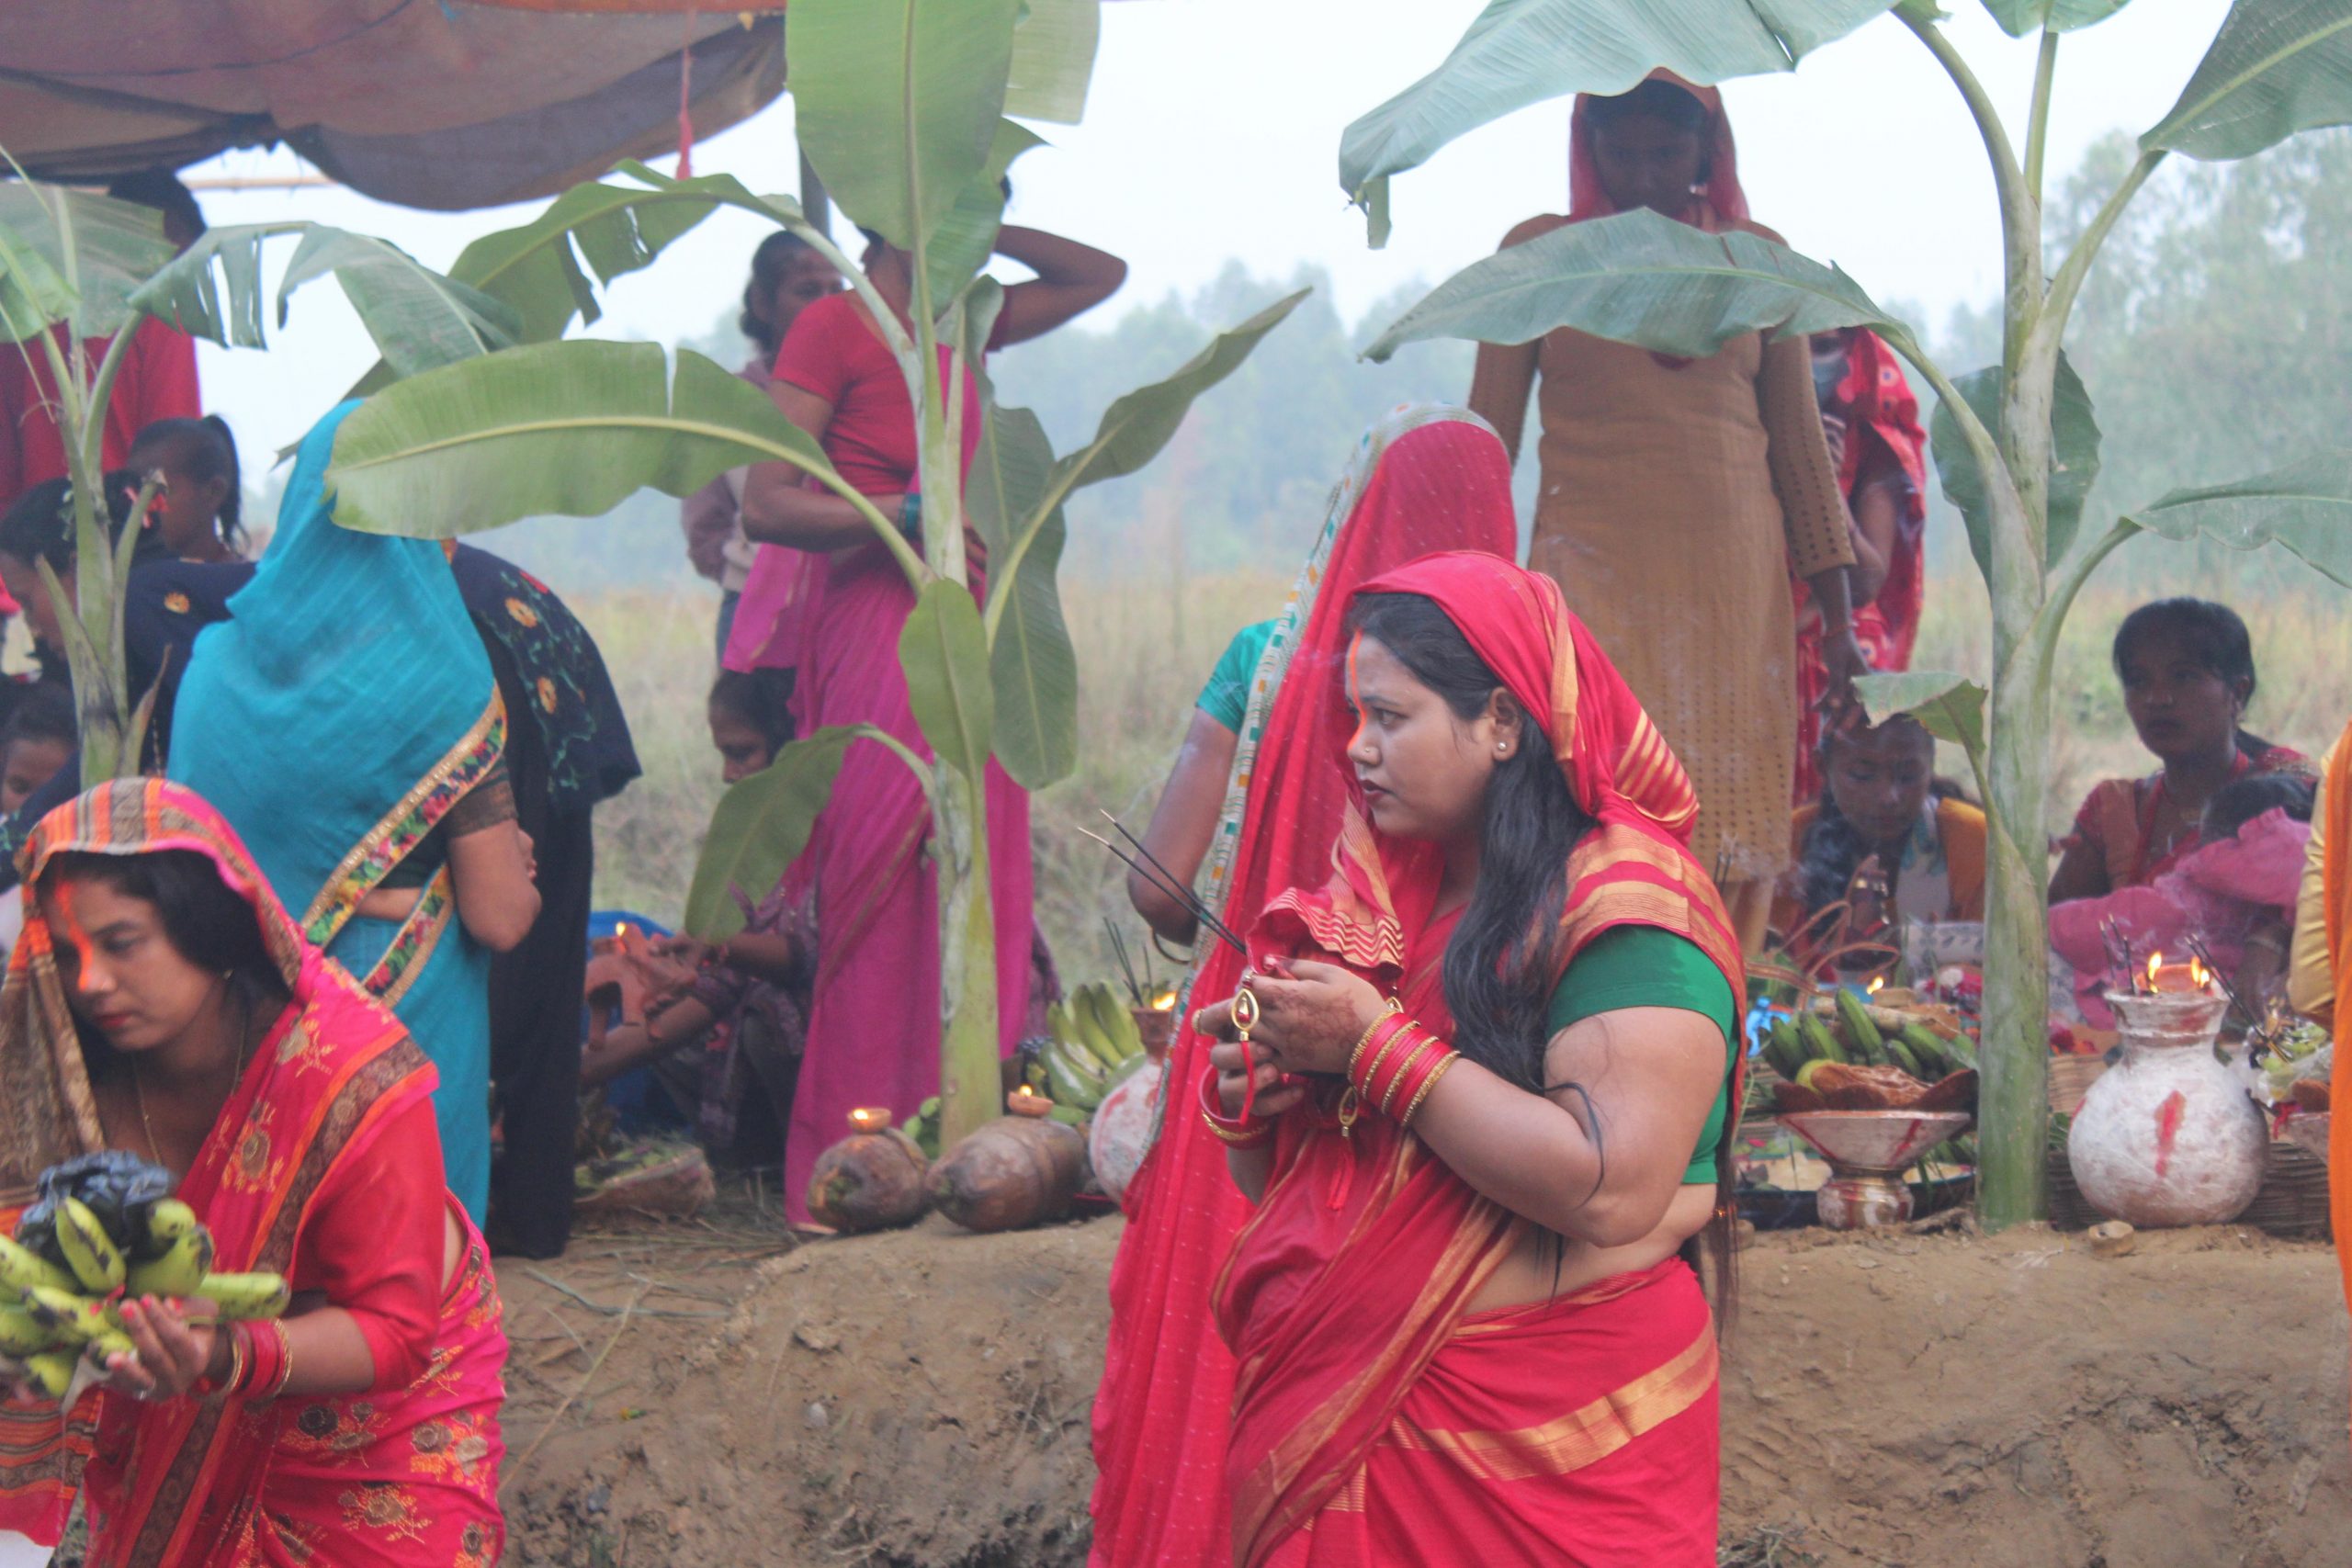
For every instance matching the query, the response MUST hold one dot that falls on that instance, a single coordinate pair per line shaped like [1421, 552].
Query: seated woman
[2233, 896]
[164, 1002]
[345, 720]
[198, 514]
[1483, 1115]
[1184, 822]
[36, 743]
[743, 1001]
[2186, 667]
[1885, 818]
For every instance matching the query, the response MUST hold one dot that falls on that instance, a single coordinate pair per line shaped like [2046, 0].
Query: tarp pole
[814, 203]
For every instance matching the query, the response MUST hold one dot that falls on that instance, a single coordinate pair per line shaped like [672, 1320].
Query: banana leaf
[69, 255]
[2306, 508]
[1638, 278]
[1950, 707]
[2019, 18]
[2276, 67]
[569, 429]
[418, 319]
[897, 102]
[1523, 52]
[965, 238]
[946, 655]
[2074, 458]
[761, 825]
[1031, 661]
[1053, 60]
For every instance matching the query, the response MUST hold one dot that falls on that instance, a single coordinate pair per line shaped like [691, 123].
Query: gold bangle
[1388, 1010]
[1435, 1073]
[1248, 1138]
[1388, 1098]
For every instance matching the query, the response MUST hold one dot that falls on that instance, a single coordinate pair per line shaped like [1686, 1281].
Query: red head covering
[1726, 204]
[1632, 867]
[1423, 479]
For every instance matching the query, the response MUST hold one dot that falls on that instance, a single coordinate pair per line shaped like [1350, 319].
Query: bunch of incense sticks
[1167, 882]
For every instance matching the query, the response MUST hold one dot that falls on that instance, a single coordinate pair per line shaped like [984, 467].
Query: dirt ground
[921, 1401]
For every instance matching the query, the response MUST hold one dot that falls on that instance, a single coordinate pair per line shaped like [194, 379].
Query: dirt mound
[921, 1399]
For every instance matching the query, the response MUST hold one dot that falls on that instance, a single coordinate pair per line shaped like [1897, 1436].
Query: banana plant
[903, 109]
[2015, 443]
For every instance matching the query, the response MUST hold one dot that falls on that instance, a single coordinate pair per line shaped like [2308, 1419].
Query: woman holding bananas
[164, 1003]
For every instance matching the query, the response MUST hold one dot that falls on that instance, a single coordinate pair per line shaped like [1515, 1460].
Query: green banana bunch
[20, 1266]
[1074, 1075]
[177, 1273]
[246, 1296]
[90, 1253]
[1782, 1048]
[1820, 1044]
[1861, 1029]
[1927, 1047]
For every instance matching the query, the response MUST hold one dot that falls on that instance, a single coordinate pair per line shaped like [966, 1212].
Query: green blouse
[1227, 696]
[1643, 966]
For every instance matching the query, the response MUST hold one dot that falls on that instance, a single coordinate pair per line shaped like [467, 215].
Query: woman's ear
[1507, 720]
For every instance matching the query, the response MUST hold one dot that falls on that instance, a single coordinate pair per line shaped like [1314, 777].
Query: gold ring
[1245, 1010]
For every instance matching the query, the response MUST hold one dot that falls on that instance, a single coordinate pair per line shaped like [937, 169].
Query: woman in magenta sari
[829, 599]
[162, 1001]
[1484, 1112]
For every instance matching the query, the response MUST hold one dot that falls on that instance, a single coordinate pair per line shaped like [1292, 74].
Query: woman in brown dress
[1676, 493]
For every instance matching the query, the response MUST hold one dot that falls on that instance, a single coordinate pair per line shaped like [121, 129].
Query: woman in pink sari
[829, 599]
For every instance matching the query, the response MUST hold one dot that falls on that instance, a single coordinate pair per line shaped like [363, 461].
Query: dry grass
[1143, 651]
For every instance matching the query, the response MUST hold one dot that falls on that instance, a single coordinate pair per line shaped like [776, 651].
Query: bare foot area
[921, 1400]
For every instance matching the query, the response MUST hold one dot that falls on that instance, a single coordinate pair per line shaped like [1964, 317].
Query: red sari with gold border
[330, 1123]
[1374, 1419]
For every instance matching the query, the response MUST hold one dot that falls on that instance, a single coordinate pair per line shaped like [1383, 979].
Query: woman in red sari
[1484, 1115]
[1872, 418]
[1422, 479]
[161, 1001]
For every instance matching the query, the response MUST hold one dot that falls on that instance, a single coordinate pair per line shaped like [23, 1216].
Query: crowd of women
[1428, 1259]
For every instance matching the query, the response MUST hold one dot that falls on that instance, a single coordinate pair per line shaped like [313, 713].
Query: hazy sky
[1213, 132]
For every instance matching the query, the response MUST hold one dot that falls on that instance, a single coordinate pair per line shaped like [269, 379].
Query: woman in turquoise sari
[346, 722]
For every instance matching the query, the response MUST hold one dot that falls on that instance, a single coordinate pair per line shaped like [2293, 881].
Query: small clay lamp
[1026, 1101]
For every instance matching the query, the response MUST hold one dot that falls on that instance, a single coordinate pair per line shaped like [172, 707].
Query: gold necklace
[236, 1074]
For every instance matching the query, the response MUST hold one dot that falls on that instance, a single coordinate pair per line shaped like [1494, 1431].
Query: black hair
[206, 449]
[1678, 107]
[769, 263]
[1500, 964]
[761, 698]
[208, 922]
[2241, 800]
[163, 190]
[44, 711]
[2213, 635]
[40, 526]
[1833, 847]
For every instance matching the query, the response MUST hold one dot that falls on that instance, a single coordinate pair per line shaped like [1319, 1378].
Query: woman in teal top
[346, 723]
[1185, 819]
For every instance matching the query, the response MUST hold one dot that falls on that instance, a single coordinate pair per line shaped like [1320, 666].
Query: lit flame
[2196, 972]
[1164, 999]
[1027, 1101]
[869, 1118]
[1877, 984]
[2156, 962]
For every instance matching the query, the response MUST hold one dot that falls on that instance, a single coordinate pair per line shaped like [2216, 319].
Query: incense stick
[1157, 877]
[1184, 887]
[1119, 950]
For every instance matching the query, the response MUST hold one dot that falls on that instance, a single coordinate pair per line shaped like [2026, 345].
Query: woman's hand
[1311, 1014]
[173, 1352]
[1273, 1096]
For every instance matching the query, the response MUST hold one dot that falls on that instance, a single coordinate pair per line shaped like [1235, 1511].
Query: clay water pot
[2167, 1136]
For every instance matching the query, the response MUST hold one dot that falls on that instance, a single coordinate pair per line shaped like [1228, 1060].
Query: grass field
[1143, 652]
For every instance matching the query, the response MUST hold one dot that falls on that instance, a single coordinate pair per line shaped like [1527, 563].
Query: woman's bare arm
[1600, 1167]
[1071, 278]
[1504, 377]
[497, 899]
[779, 510]
[1184, 823]
[1878, 515]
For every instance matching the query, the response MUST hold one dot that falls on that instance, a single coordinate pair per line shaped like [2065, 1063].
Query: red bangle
[1235, 1132]
[1366, 1070]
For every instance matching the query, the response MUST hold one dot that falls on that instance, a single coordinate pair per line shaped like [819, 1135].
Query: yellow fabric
[1675, 494]
[2311, 976]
